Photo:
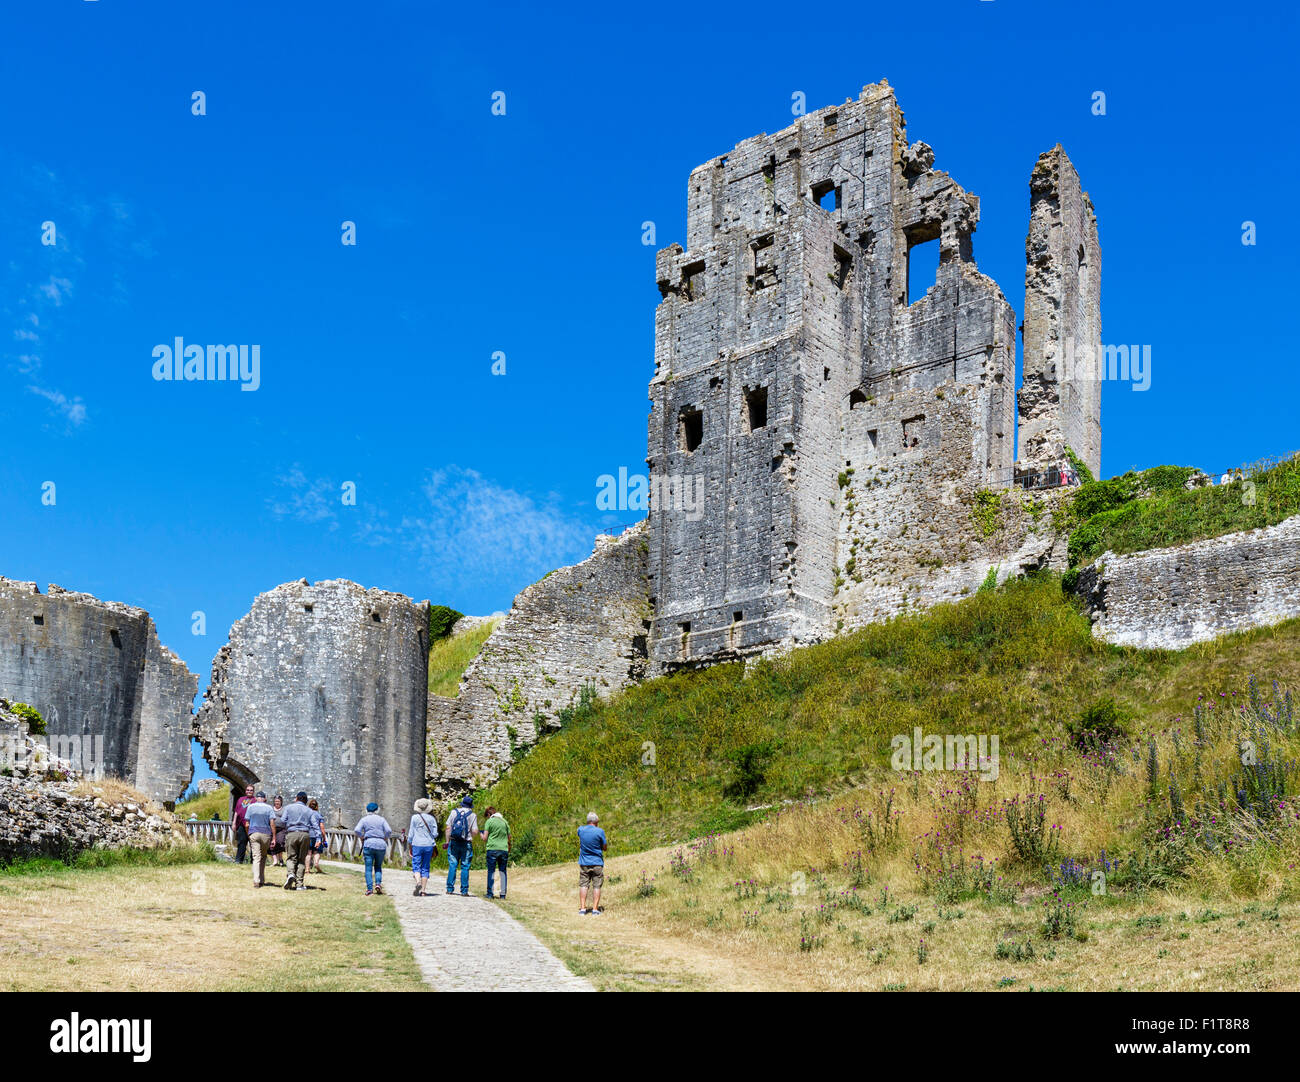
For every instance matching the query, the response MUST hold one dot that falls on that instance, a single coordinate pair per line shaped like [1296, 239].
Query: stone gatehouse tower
[839, 431]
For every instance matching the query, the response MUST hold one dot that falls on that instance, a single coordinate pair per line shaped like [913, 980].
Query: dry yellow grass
[695, 937]
[116, 791]
[197, 927]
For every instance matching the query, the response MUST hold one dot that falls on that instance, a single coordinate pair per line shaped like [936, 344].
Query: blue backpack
[460, 824]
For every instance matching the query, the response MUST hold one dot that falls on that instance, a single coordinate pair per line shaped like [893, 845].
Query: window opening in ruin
[693, 280]
[117, 639]
[857, 397]
[871, 435]
[826, 373]
[756, 408]
[762, 265]
[826, 195]
[736, 619]
[692, 429]
[375, 617]
[38, 619]
[914, 431]
[843, 266]
[830, 120]
[306, 608]
[686, 638]
[922, 268]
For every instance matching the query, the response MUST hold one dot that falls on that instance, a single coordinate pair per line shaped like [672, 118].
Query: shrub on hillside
[1102, 723]
[441, 621]
[750, 763]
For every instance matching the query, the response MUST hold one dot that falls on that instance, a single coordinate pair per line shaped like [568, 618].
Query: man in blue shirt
[259, 815]
[297, 819]
[591, 864]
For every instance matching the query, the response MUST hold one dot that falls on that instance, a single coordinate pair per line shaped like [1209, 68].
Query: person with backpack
[496, 832]
[422, 836]
[374, 832]
[462, 825]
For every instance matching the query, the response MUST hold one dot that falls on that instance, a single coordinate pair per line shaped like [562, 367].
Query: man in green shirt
[497, 833]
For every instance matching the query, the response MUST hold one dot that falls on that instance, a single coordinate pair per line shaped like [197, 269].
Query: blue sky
[522, 234]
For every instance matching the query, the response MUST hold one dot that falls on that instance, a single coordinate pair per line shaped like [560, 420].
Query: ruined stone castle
[856, 456]
[842, 432]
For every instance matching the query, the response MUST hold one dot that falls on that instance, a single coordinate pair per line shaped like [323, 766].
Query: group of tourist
[459, 831]
[294, 837]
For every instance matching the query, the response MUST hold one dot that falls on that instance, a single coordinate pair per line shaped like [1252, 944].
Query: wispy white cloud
[33, 298]
[72, 409]
[56, 290]
[305, 500]
[470, 526]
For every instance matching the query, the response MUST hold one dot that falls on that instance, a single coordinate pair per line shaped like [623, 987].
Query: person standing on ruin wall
[240, 820]
[297, 841]
[374, 832]
[591, 864]
[462, 825]
[422, 836]
[259, 815]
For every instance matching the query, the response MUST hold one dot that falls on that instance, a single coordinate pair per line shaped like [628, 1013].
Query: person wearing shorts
[591, 864]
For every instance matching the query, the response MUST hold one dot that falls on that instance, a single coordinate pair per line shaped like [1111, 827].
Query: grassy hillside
[1152, 509]
[204, 804]
[449, 657]
[680, 757]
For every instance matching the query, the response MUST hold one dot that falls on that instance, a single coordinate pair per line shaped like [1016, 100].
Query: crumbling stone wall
[1060, 399]
[787, 356]
[101, 680]
[1170, 598]
[324, 688]
[579, 626]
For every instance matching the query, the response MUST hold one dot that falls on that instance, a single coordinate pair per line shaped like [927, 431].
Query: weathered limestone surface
[1170, 598]
[95, 669]
[584, 625]
[323, 687]
[1060, 399]
[841, 435]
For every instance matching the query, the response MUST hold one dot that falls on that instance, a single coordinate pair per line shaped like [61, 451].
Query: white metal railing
[342, 844]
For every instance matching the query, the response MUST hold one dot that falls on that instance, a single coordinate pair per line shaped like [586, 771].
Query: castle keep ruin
[843, 434]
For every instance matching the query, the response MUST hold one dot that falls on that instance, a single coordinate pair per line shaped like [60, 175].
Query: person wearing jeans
[374, 832]
[461, 828]
[496, 831]
[422, 835]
